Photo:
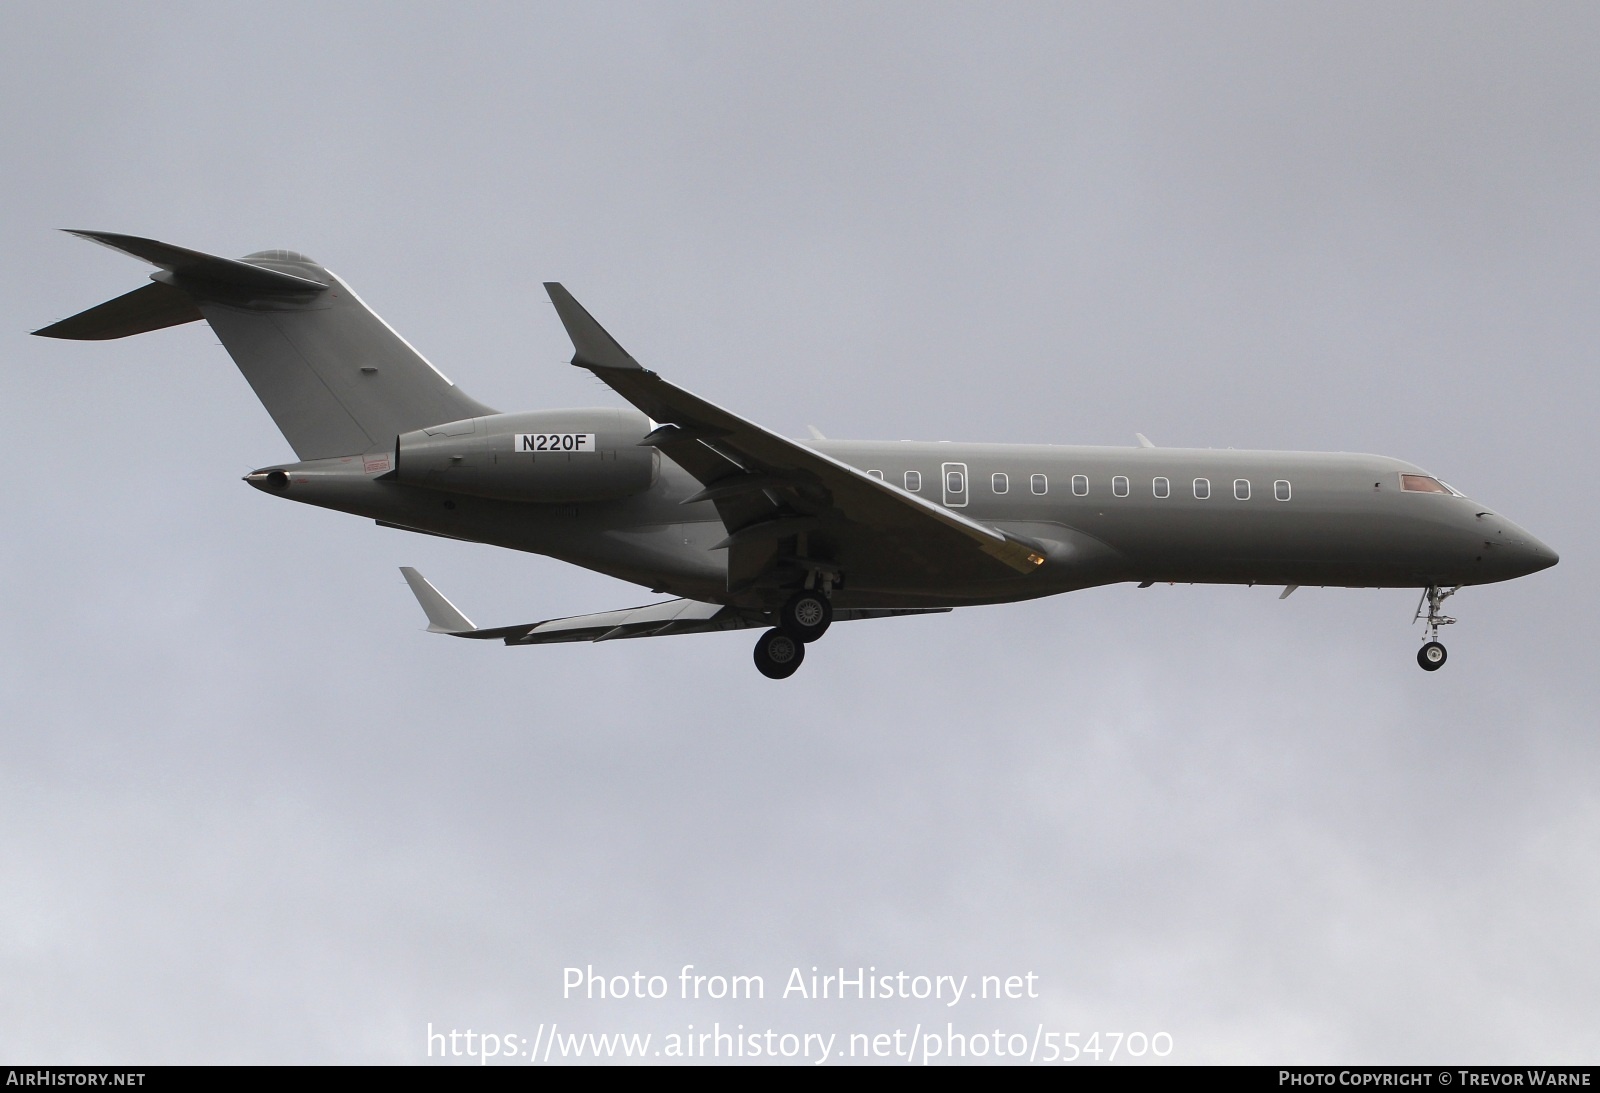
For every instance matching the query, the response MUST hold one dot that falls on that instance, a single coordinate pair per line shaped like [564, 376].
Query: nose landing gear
[1432, 655]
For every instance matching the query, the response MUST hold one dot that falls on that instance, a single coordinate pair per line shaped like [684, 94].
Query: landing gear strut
[1432, 655]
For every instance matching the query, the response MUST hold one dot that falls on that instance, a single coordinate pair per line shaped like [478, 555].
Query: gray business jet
[750, 529]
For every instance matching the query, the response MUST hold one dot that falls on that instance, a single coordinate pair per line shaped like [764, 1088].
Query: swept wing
[651, 620]
[771, 492]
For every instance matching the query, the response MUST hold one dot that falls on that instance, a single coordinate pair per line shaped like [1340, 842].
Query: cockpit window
[1421, 483]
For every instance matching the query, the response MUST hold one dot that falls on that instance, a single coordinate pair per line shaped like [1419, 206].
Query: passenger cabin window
[1421, 483]
[1080, 485]
[913, 481]
[955, 482]
[876, 474]
[1280, 489]
[1202, 488]
[1039, 484]
[1000, 483]
[1241, 489]
[1161, 487]
[1119, 485]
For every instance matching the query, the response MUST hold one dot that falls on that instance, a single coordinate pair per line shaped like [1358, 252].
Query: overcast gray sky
[249, 812]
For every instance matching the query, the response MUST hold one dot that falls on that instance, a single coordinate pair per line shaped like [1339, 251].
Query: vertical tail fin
[335, 377]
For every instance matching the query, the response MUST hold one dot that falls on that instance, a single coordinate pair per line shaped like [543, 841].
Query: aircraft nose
[1536, 556]
[1522, 554]
[1508, 550]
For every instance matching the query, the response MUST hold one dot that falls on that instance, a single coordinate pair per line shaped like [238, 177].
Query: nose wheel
[1432, 655]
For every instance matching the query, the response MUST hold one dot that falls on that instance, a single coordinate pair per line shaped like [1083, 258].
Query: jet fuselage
[752, 529]
[1103, 514]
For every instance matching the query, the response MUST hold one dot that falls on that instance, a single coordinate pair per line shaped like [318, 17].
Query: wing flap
[650, 621]
[670, 616]
[667, 617]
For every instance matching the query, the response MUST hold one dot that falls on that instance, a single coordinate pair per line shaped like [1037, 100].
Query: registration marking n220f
[557, 442]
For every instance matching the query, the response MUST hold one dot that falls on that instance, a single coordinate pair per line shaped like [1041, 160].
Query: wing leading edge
[769, 489]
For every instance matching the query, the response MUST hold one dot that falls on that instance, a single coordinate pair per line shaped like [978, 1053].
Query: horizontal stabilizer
[335, 377]
[153, 307]
[195, 266]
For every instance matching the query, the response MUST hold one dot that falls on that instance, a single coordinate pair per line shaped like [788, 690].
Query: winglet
[1144, 441]
[443, 618]
[592, 346]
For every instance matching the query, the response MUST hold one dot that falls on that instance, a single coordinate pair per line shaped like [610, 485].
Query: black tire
[807, 615]
[779, 654]
[1431, 656]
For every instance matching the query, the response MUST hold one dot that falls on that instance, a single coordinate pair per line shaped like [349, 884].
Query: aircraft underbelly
[1334, 544]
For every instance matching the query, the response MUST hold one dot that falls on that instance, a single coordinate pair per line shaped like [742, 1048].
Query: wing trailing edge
[650, 621]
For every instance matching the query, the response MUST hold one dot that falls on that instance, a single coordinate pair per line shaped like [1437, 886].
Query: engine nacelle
[545, 455]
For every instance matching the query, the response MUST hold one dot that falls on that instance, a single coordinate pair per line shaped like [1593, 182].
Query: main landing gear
[779, 654]
[807, 615]
[1432, 655]
[802, 620]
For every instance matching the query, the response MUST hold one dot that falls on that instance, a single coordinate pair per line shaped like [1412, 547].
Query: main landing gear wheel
[1431, 656]
[807, 615]
[779, 654]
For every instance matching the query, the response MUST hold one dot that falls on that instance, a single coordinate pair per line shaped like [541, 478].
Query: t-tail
[335, 377]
